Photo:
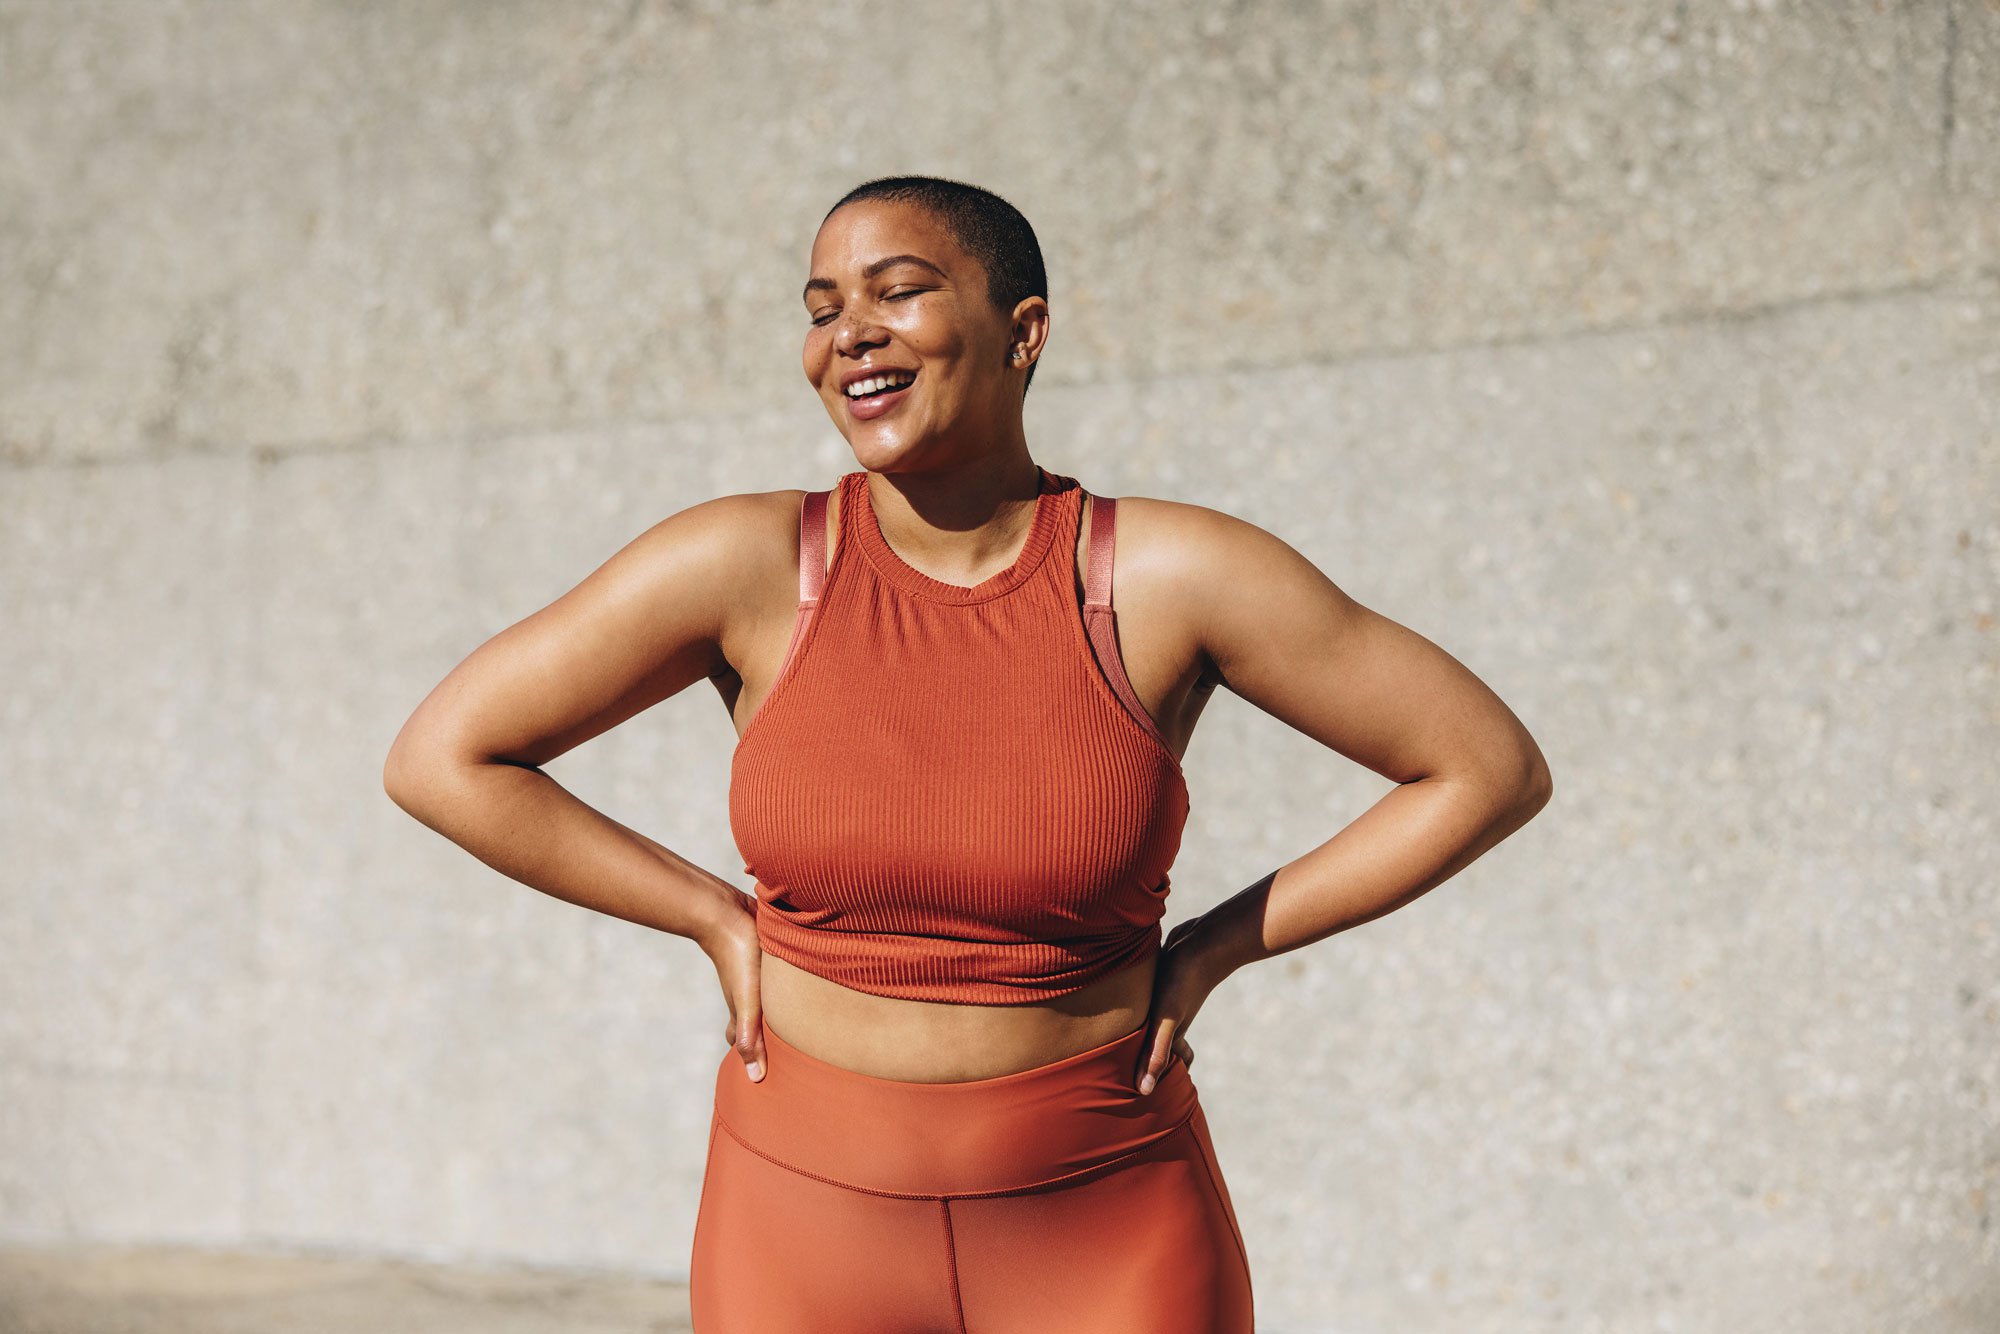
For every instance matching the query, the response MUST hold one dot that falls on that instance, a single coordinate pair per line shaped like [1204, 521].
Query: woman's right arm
[645, 625]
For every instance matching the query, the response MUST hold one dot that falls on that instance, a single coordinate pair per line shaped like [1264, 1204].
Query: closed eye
[893, 296]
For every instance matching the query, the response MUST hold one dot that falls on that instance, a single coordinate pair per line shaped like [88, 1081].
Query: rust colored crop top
[952, 793]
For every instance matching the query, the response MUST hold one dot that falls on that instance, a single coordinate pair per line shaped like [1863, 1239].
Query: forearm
[1416, 837]
[525, 825]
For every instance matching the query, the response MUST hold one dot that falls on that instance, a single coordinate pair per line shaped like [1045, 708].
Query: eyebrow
[816, 284]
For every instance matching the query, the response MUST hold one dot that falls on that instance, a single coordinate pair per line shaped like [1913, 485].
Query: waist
[919, 1041]
[1057, 1122]
[962, 961]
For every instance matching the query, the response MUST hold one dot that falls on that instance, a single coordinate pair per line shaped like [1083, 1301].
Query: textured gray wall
[1647, 357]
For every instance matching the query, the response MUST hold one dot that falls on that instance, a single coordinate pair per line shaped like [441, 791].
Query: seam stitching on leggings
[1213, 1171]
[1155, 1142]
[951, 1262]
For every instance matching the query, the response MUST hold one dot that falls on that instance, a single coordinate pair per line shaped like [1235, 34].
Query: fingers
[750, 1047]
[746, 1038]
[745, 1032]
[749, 1037]
[1159, 1045]
[1165, 1038]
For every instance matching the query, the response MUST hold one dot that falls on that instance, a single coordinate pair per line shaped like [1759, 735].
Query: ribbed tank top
[952, 793]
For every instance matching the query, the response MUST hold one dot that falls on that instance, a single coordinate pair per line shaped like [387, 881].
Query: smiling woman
[957, 914]
[958, 1034]
[938, 287]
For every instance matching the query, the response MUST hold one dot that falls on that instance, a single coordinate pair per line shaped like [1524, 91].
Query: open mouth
[879, 391]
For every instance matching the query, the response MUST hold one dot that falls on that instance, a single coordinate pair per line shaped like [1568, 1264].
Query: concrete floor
[127, 1290]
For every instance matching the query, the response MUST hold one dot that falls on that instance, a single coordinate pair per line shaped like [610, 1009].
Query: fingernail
[1146, 1082]
[756, 1070]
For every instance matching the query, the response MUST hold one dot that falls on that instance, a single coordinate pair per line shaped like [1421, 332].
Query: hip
[1055, 1123]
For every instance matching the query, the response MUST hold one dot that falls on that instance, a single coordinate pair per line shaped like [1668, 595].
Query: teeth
[875, 384]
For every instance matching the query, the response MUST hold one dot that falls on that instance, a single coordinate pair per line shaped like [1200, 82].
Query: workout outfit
[953, 794]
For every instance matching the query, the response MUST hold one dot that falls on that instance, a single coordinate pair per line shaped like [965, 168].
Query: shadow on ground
[128, 1290]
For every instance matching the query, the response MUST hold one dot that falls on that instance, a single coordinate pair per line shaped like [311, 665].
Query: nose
[850, 335]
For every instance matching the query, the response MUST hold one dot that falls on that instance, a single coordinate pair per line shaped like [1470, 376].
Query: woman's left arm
[1280, 634]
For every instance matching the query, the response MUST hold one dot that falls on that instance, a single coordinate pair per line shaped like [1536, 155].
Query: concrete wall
[1647, 357]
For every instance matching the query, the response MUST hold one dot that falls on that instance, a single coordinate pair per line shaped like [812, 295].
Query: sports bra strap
[1097, 577]
[1100, 620]
[812, 547]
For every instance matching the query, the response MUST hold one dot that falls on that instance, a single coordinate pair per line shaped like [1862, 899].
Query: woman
[957, 1092]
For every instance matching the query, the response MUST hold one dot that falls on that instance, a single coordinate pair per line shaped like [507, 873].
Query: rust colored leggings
[1057, 1200]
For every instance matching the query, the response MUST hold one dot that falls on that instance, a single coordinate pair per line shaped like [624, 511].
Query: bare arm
[1281, 635]
[642, 627]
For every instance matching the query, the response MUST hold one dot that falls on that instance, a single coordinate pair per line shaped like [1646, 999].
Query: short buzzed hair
[981, 223]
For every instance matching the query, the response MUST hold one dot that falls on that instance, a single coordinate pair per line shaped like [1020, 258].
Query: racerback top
[952, 793]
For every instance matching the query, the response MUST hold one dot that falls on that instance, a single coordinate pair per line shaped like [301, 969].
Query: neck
[958, 523]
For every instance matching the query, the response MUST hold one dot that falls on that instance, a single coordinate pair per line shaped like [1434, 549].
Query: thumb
[1159, 1047]
[745, 1033]
[737, 957]
[749, 1041]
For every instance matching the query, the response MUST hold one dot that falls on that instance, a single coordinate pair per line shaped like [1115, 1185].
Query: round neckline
[1041, 534]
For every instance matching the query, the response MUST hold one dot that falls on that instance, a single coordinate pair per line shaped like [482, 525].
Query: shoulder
[1234, 588]
[1195, 549]
[714, 550]
[738, 526]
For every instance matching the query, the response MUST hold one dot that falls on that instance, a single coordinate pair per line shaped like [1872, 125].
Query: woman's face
[891, 289]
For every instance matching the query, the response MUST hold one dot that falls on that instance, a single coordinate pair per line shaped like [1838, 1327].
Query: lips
[874, 405]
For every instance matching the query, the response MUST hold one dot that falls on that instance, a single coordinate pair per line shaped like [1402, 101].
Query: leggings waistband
[994, 1136]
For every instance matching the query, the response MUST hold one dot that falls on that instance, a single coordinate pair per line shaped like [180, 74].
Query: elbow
[418, 758]
[399, 779]
[409, 774]
[428, 778]
[1536, 787]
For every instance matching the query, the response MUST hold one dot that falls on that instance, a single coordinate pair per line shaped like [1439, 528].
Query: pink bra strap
[1099, 618]
[1103, 528]
[812, 572]
[812, 547]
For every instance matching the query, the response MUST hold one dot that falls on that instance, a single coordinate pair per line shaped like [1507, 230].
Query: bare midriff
[930, 1042]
